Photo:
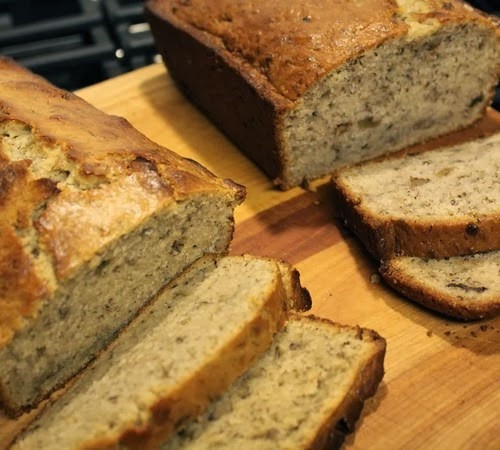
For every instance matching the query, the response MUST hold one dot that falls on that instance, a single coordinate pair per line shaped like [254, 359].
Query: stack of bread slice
[433, 219]
[305, 392]
[185, 349]
[112, 267]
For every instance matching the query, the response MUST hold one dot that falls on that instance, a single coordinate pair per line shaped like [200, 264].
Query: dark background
[75, 43]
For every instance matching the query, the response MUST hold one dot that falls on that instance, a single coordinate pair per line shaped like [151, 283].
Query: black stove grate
[75, 43]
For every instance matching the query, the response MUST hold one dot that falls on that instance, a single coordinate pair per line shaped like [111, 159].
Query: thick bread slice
[464, 287]
[305, 392]
[94, 220]
[434, 204]
[305, 87]
[183, 350]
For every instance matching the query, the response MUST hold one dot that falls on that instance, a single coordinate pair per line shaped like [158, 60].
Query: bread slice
[434, 204]
[464, 287]
[305, 87]
[306, 391]
[94, 220]
[184, 348]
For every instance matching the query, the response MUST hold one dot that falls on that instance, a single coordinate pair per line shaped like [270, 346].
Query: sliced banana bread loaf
[183, 349]
[465, 287]
[94, 219]
[434, 204]
[304, 87]
[305, 392]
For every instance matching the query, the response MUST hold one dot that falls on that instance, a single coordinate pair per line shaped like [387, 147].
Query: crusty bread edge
[341, 421]
[298, 297]
[8, 407]
[197, 391]
[229, 79]
[435, 299]
[385, 238]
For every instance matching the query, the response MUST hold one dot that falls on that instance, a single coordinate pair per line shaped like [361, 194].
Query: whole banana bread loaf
[305, 87]
[94, 220]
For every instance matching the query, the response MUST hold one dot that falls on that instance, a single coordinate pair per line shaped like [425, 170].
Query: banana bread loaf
[94, 219]
[304, 87]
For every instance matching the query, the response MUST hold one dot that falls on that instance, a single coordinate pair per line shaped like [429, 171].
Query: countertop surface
[441, 389]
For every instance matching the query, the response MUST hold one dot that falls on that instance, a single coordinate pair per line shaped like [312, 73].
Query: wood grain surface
[441, 389]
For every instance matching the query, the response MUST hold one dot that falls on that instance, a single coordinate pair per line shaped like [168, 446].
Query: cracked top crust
[73, 179]
[291, 45]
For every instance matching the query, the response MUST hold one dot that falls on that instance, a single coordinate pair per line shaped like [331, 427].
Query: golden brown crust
[277, 39]
[455, 11]
[298, 297]
[20, 284]
[100, 144]
[385, 237]
[235, 96]
[418, 291]
[125, 178]
[293, 45]
[98, 216]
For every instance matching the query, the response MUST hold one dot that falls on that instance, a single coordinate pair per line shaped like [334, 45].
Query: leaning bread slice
[464, 287]
[195, 339]
[305, 392]
[94, 220]
[434, 204]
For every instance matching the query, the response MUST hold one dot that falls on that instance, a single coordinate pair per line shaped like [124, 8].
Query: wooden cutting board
[441, 389]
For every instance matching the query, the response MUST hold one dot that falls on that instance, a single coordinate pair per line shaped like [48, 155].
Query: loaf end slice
[94, 219]
[183, 350]
[463, 287]
[305, 392]
[433, 204]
